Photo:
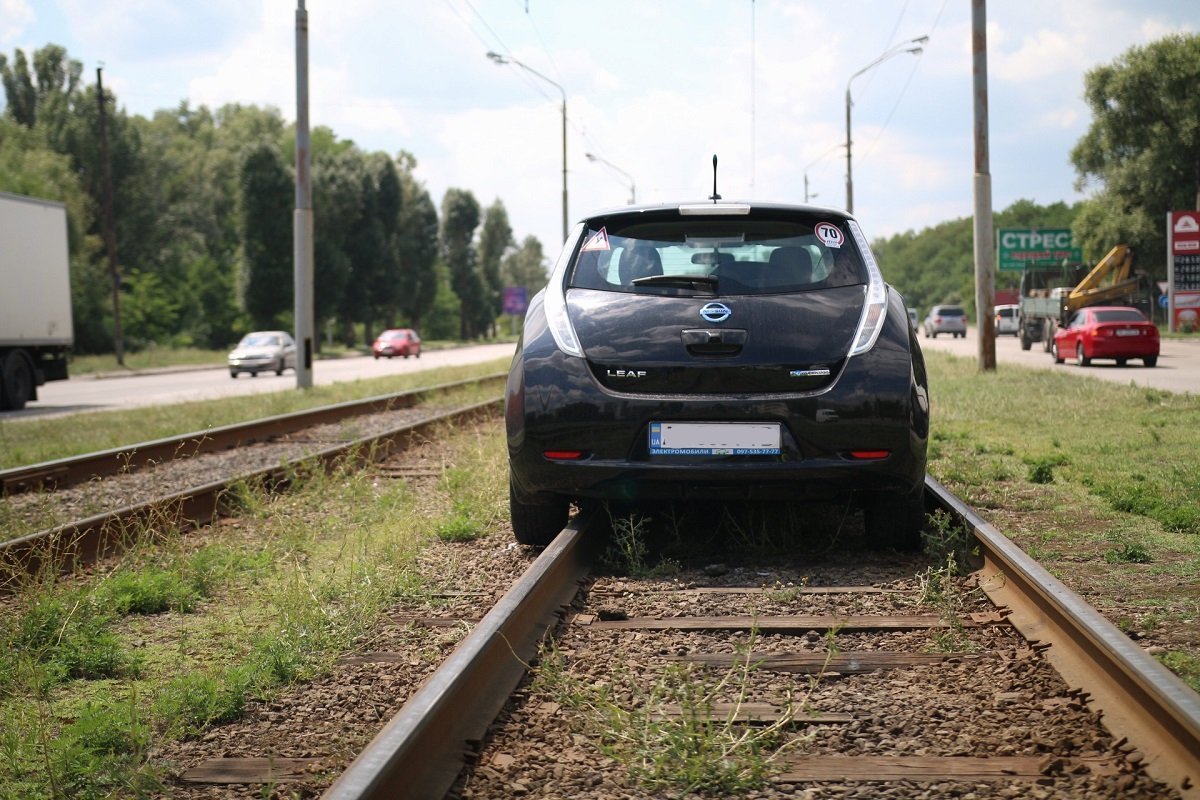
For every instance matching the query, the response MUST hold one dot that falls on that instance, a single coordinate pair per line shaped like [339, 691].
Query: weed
[944, 540]
[1041, 469]
[941, 589]
[1128, 553]
[1185, 665]
[627, 547]
[458, 528]
[667, 735]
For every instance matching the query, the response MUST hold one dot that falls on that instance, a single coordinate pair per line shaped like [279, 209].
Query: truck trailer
[36, 332]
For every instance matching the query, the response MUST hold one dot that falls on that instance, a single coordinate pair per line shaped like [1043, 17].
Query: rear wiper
[706, 282]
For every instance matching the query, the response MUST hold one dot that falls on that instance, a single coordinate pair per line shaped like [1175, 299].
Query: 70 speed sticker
[830, 235]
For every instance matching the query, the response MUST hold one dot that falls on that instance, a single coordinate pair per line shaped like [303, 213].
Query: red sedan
[1117, 332]
[397, 342]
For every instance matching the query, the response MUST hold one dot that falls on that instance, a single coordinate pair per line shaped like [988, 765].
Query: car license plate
[1127, 332]
[714, 438]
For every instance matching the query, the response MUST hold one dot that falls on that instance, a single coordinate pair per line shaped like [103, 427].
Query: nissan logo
[715, 312]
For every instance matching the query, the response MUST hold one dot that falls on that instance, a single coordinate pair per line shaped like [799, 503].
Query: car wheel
[233, 374]
[18, 386]
[1150, 361]
[1080, 358]
[377, 356]
[406, 355]
[895, 521]
[1058, 357]
[418, 354]
[934, 334]
[1122, 362]
[279, 367]
[536, 524]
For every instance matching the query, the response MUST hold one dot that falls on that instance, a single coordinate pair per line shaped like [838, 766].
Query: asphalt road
[1178, 367]
[102, 393]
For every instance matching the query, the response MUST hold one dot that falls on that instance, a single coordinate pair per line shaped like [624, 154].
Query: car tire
[1122, 362]
[18, 386]
[1058, 357]
[1080, 358]
[895, 520]
[233, 374]
[536, 524]
[1150, 361]
[279, 367]
[377, 356]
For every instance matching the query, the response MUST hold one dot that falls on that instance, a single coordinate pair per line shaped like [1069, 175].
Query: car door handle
[714, 341]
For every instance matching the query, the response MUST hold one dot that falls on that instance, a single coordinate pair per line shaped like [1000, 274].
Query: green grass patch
[192, 631]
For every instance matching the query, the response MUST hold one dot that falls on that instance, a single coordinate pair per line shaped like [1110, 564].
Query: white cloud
[15, 16]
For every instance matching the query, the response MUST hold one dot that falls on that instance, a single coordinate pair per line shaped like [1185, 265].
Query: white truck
[36, 332]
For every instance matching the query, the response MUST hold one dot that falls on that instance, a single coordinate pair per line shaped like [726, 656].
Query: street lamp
[499, 59]
[911, 46]
[632, 187]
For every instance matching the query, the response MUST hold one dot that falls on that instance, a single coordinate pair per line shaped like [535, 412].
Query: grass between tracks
[33, 440]
[184, 631]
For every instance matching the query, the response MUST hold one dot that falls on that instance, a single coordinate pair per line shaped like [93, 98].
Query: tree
[495, 240]
[526, 266]
[266, 198]
[1142, 148]
[417, 279]
[460, 218]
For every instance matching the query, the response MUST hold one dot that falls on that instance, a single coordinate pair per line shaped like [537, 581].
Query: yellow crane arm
[1117, 268]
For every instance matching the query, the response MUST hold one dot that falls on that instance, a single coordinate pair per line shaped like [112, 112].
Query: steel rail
[1141, 699]
[420, 753]
[68, 546]
[73, 470]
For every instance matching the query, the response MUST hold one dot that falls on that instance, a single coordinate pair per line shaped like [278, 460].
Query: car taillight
[870, 455]
[563, 455]
[875, 306]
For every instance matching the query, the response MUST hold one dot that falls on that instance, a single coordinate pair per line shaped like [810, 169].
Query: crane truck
[36, 332]
[1050, 297]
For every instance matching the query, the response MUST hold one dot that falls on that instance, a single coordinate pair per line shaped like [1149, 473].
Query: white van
[1006, 320]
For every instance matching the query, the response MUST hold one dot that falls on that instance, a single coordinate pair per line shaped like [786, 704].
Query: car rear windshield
[951, 311]
[729, 256]
[1119, 315]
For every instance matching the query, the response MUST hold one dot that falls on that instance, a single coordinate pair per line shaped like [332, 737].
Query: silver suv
[946, 319]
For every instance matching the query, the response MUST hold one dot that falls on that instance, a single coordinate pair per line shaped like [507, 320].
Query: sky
[653, 90]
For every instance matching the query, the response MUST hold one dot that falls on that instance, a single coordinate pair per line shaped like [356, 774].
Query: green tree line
[203, 205]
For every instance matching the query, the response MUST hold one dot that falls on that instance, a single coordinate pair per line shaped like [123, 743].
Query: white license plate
[714, 438]
[1127, 332]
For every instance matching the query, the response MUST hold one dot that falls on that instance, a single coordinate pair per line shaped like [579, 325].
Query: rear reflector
[870, 455]
[563, 455]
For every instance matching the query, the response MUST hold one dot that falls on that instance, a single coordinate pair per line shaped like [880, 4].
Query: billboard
[1033, 248]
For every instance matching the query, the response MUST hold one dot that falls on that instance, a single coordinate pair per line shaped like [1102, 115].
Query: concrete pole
[985, 281]
[303, 218]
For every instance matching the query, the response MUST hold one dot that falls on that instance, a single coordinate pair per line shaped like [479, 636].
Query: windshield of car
[1119, 315]
[950, 311]
[259, 340]
[732, 257]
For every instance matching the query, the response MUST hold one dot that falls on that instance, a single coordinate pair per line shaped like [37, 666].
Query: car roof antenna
[715, 197]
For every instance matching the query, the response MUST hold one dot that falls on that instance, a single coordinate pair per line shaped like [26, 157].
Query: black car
[718, 351]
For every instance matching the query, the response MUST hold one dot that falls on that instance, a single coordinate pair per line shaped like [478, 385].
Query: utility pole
[110, 233]
[303, 217]
[985, 262]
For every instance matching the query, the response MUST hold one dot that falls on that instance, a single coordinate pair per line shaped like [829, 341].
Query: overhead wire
[911, 74]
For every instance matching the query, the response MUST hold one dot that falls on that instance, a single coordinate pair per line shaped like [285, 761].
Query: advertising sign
[515, 300]
[1183, 270]
[1032, 248]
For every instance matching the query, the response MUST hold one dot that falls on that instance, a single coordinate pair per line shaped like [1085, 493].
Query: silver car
[261, 351]
[946, 319]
